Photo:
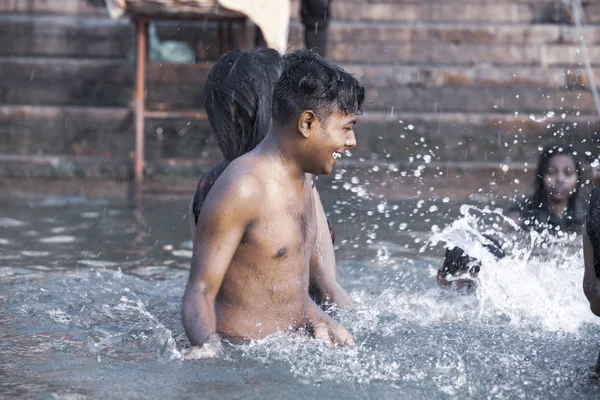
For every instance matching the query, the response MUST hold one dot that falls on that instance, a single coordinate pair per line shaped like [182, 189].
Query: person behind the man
[257, 229]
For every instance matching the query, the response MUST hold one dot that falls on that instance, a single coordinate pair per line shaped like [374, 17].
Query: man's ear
[307, 123]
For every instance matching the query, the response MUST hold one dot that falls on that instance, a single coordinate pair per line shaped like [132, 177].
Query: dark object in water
[592, 226]
[457, 261]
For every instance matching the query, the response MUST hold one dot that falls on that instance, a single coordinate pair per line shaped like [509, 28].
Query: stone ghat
[456, 80]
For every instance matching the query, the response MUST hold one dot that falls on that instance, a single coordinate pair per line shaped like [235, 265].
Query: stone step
[498, 11]
[451, 137]
[461, 44]
[64, 36]
[121, 72]
[62, 7]
[478, 99]
[457, 33]
[90, 82]
[98, 131]
[505, 11]
[98, 37]
[482, 137]
[457, 44]
[110, 71]
[93, 82]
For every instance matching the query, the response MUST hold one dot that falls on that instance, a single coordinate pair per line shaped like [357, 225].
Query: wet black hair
[540, 196]
[238, 98]
[457, 261]
[309, 82]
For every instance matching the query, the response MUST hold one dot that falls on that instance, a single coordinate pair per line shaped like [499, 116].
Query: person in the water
[238, 96]
[554, 207]
[256, 237]
[591, 249]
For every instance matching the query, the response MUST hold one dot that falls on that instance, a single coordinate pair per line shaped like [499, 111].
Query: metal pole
[140, 91]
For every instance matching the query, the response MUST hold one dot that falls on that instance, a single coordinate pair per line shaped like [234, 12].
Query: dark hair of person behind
[238, 98]
[309, 82]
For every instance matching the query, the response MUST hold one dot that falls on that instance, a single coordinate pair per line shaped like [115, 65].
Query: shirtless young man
[256, 233]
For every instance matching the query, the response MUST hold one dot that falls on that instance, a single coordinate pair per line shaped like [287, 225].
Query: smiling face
[560, 179]
[328, 141]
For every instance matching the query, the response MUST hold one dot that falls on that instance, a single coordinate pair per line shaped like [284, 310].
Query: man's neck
[283, 152]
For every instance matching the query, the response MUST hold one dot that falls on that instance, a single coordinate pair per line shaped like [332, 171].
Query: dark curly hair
[309, 82]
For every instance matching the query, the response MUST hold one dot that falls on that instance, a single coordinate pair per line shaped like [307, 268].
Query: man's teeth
[336, 155]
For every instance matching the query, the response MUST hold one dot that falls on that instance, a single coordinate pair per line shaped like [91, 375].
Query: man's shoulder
[241, 180]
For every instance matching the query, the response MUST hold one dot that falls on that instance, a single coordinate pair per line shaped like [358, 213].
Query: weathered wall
[461, 80]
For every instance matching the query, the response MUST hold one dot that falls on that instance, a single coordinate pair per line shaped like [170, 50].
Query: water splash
[539, 281]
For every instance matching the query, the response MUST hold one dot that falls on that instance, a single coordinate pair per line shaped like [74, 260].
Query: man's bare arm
[227, 211]
[324, 283]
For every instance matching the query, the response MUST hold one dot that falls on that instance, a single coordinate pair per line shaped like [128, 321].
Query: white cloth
[271, 16]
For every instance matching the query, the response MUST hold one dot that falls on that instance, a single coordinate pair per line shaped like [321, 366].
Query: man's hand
[334, 334]
[211, 349]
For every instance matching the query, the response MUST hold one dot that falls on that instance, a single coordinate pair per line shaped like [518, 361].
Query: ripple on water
[10, 222]
[90, 214]
[97, 263]
[32, 253]
[58, 239]
[182, 253]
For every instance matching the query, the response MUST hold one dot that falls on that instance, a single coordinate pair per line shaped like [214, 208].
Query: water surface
[91, 297]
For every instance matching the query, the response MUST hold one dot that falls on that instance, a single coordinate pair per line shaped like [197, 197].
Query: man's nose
[351, 140]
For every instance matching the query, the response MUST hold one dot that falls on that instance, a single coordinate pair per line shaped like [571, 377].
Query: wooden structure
[143, 11]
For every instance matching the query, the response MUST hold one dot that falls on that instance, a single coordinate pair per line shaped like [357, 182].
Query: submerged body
[255, 241]
[238, 94]
[265, 287]
[258, 233]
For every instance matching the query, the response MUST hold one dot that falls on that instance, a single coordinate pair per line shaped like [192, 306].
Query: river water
[91, 296]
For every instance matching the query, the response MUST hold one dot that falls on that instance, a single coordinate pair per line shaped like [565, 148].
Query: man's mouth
[337, 155]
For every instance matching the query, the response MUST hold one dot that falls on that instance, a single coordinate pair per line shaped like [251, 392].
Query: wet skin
[256, 238]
